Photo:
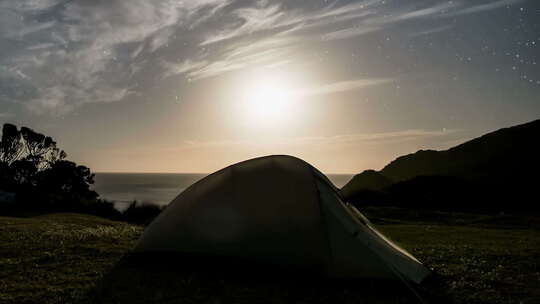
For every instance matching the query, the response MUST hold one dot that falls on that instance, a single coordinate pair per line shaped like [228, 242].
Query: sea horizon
[135, 172]
[157, 188]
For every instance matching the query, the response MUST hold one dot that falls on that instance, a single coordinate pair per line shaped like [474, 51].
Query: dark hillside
[369, 180]
[505, 152]
[496, 172]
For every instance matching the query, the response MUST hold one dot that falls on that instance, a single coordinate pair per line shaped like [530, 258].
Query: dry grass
[72, 258]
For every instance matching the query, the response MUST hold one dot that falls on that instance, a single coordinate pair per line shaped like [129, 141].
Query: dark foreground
[72, 258]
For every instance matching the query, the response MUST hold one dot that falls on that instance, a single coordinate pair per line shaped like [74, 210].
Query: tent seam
[322, 219]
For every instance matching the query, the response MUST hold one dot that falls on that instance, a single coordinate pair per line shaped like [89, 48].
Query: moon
[267, 101]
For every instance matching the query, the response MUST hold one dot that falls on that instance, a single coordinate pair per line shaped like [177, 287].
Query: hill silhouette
[496, 172]
[369, 180]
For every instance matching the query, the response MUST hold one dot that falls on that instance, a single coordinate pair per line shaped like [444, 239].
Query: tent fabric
[278, 209]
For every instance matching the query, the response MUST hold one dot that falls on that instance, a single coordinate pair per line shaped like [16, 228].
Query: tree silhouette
[31, 163]
[67, 180]
[10, 145]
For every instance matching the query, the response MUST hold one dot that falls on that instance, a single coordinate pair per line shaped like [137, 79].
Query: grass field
[72, 258]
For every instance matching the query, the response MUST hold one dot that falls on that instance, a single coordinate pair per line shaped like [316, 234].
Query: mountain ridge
[498, 165]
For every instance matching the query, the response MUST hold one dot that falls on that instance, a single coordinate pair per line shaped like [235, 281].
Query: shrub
[141, 213]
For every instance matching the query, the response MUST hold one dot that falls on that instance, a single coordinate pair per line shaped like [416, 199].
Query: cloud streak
[343, 86]
[341, 140]
[71, 53]
[484, 7]
[275, 31]
[76, 59]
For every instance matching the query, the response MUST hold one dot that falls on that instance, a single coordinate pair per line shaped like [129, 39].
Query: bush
[102, 208]
[141, 213]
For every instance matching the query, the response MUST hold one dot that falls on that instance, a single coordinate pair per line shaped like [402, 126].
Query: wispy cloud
[431, 31]
[368, 16]
[234, 63]
[183, 67]
[376, 22]
[411, 14]
[56, 99]
[40, 46]
[237, 56]
[341, 87]
[253, 19]
[346, 139]
[269, 27]
[29, 28]
[484, 7]
[267, 17]
[77, 52]
[82, 46]
[350, 32]
[30, 5]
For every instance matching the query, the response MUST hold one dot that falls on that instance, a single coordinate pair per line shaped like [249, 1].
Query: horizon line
[198, 173]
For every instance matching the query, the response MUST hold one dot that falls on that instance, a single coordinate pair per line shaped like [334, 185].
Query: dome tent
[278, 209]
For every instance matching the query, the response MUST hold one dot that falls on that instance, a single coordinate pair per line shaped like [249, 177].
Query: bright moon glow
[268, 101]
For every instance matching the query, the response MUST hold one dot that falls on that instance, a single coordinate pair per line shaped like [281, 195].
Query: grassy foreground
[72, 258]
[57, 258]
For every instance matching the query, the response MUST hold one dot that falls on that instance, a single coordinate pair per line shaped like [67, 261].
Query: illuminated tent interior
[278, 210]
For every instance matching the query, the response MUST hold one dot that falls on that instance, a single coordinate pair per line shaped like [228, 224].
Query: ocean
[159, 188]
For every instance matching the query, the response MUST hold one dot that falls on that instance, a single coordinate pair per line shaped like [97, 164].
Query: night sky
[161, 86]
